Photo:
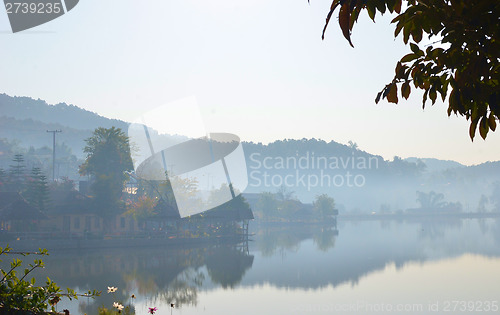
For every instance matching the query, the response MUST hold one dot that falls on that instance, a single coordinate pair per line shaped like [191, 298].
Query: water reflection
[161, 275]
[277, 258]
[434, 228]
[272, 240]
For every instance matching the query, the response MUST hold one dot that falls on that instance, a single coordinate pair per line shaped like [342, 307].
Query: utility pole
[54, 152]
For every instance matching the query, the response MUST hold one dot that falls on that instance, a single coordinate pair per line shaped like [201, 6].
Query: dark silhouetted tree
[17, 173]
[108, 158]
[267, 205]
[3, 180]
[37, 189]
[430, 200]
[324, 206]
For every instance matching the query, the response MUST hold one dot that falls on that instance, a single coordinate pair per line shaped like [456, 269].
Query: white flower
[118, 306]
[112, 289]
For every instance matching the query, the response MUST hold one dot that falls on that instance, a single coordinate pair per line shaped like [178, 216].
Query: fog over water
[355, 267]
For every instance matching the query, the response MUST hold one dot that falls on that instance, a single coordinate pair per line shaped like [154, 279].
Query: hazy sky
[258, 69]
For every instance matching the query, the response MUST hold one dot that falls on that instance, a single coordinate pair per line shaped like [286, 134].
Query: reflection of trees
[435, 228]
[272, 239]
[496, 231]
[183, 290]
[483, 226]
[324, 238]
[171, 275]
[227, 266]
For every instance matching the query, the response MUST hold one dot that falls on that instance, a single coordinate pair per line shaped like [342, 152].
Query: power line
[54, 152]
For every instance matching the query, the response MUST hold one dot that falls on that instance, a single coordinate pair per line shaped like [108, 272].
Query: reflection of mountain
[363, 248]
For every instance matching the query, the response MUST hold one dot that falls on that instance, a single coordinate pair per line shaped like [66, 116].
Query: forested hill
[62, 113]
[25, 133]
[309, 166]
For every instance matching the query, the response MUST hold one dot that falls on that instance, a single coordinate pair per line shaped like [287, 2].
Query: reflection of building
[164, 273]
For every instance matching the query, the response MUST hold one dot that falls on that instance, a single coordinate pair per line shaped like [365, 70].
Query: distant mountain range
[62, 113]
[24, 122]
[433, 165]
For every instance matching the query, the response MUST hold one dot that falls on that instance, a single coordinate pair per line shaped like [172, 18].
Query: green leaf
[424, 98]
[472, 129]
[390, 5]
[414, 48]
[380, 6]
[398, 29]
[371, 11]
[433, 95]
[406, 31]
[483, 127]
[409, 57]
[354, 17]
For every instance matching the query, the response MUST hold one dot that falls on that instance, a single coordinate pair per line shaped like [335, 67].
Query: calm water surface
[369, 267]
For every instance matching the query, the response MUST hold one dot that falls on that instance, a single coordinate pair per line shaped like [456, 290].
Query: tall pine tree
[16, 174]
[37, 191]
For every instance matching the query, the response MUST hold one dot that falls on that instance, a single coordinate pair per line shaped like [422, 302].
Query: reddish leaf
[472, 129]
[333, 6]
[406, 89]
[392, 95]
[424, 98]
[492, 123]
[433, 95]
[397, 6]
[409, 57]
[406, 31]
[344, 21]
[483, 127]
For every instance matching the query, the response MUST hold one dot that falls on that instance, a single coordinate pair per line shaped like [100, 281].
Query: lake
[425, 266]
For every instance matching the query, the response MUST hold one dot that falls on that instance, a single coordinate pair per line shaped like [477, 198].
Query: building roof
[237, 209]
[20, 210]
[166, 211]
[8, 197]
[69, 201]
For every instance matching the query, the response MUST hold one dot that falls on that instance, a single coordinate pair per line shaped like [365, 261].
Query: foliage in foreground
[18, 293]
[465, 65]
